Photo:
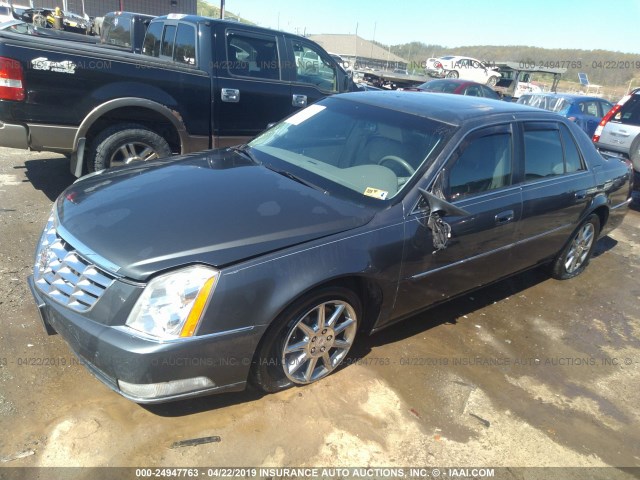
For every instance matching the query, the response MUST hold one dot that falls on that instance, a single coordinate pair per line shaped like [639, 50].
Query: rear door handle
[299, 100]
[231, 95]
[504, 217]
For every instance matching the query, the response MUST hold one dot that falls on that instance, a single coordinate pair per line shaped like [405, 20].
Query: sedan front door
[478, 179]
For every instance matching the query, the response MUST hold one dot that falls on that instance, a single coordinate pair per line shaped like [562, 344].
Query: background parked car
[619, 131]
[585, 111]
[457, 86]
[466, 68]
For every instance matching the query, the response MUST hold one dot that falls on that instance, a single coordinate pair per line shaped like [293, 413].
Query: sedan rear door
[556, 190]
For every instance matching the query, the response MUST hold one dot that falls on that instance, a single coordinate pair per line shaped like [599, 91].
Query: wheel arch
[366, 289]
[153, 115]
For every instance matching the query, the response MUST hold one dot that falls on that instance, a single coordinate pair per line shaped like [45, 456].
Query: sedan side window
[549, 150]
[483, 164]
[543, 154]
[572, 159]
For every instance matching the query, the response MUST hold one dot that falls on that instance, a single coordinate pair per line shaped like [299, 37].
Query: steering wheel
[398, 160]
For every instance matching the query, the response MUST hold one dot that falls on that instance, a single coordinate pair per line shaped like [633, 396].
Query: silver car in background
[619, 132]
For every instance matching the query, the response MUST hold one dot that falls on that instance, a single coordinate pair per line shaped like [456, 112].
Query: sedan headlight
[172, 305]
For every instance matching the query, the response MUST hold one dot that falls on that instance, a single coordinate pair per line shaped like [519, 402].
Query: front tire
[309, 341]
[492, 81]
[126, 143]
[452, 74]
[575, 256]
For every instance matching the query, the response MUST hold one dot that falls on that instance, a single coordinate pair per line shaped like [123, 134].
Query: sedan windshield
[353, 149]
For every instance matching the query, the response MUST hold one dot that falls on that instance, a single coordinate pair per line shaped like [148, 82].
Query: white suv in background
[619, 132]
[465, 68]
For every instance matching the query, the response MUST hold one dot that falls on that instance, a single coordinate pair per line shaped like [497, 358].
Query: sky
[581, 24]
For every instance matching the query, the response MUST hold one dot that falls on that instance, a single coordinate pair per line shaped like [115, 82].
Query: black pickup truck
[198, 83]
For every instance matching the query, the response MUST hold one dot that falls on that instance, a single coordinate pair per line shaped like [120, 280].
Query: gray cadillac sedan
[261, 263]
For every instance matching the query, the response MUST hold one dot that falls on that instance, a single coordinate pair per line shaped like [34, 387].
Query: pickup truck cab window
[313, 68]
[168, 38]
[253, 56]
[151, 46]
[117, 32]
[185, 48]
[482, 163]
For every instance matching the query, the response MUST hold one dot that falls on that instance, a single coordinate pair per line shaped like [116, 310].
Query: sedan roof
[451, 109]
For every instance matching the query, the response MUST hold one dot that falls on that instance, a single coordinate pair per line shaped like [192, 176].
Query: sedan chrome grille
[64, 275]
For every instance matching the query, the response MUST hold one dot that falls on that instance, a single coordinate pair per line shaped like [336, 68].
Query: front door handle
[504, 217]
[299, 100]
[231, 95]
[580, 195]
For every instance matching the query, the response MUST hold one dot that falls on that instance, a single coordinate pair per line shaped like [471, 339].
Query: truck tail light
[603, 122]
[11, 80]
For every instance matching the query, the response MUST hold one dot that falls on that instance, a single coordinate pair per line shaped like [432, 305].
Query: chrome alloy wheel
[132, 152]
[319, 341]
[580, 248]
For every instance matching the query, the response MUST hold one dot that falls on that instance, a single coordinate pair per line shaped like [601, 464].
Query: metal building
[97, 8]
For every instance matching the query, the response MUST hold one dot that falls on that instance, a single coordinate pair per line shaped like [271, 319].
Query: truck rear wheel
[126, 143]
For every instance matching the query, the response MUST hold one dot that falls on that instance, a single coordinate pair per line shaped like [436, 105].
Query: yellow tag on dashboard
[375, 193]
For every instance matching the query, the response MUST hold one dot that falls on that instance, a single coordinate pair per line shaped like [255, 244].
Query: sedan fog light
[150, 391]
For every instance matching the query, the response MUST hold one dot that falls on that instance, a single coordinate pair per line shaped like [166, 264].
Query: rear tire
[126, 143]
[575, 256]
[308, 341]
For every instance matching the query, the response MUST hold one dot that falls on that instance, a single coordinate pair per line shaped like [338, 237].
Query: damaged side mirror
[440, 206]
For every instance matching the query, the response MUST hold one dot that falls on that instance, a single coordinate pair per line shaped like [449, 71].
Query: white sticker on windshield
[375, 193]
[304, 115]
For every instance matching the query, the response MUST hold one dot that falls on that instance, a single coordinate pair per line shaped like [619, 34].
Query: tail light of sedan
[11, 80]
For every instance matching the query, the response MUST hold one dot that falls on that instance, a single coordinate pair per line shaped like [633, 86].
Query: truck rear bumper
[14, 136]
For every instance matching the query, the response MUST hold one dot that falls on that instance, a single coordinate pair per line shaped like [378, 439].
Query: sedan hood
[216, 208]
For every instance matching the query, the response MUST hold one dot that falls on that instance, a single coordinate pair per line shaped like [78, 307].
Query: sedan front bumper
[150, 371]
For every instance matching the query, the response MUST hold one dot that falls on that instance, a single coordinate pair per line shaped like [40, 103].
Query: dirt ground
[529, 372]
